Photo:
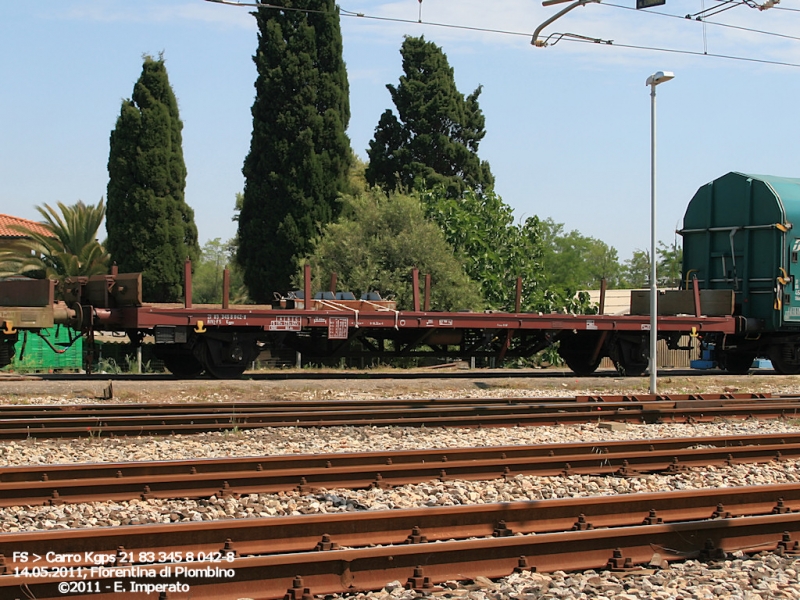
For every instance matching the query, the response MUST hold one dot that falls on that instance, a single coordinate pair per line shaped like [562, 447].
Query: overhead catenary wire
[565, 36]
[708, 12]
[714, 23]
[692, 53]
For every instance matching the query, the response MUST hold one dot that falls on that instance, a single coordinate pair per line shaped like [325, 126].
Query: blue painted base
[703, 364]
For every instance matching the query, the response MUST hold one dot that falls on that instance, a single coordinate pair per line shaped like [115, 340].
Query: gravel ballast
[298, 440]
[742, 577]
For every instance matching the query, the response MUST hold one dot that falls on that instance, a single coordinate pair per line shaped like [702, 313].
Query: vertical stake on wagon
[415, 287]
[427, 303]
[698, 309]
[602, 304]
[187, 283]
[226, 287]
[307, 287]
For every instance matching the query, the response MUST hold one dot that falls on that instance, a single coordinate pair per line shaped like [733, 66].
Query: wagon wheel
[630, 368]
[225, 360]
[736, 363]
[630, 358]
[785, 360]
[183, 366]
[577, 350]
[7, 351]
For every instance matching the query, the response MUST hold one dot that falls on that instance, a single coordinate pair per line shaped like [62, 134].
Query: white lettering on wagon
[590, 325]
[286, 324]
[337, 328]
[225, 319]
[446, 322]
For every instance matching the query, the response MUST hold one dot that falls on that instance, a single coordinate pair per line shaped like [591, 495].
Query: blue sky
[568, 126]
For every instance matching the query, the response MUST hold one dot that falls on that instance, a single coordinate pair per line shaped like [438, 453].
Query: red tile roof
[8, 227]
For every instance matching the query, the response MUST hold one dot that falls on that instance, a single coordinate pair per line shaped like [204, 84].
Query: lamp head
[659, 77]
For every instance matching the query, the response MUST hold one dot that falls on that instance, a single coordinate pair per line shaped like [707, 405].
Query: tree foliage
[215, 257]
[494, 249]
[636, 270]
[299, 154]
[376, 243]
[70, 250]
[150, 227]
[670, 264]
[574, 262]
[434, 139]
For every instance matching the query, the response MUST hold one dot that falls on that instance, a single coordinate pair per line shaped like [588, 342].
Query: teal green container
[36, 354]
[742, 232]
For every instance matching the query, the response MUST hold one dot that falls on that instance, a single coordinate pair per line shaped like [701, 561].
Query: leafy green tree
[215, 257]
[494, 249]
[150, 227]
[670, 264]
[435, 139]
[357, 178]
[70, 250]
[573, 261]
[636, 270]
[376, 243]
[299, 154]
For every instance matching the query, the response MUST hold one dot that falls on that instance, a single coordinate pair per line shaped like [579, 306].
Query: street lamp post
[653, 81]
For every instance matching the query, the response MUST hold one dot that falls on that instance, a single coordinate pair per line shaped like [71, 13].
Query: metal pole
[653, 280]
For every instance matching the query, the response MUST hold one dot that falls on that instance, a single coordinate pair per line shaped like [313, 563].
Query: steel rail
[157, 408]
[32, 485]
[266, 559]
[277, 535]
[56, 472]
[452, 416]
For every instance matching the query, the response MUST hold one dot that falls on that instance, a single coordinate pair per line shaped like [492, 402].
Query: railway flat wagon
[222, 341]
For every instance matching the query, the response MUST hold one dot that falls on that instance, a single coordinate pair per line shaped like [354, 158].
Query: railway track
[269, 557]
[294, 557]
[172, 408]
[19, 422]
[58, 484]
[449, 371]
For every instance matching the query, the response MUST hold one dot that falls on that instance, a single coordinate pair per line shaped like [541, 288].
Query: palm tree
[72, 249]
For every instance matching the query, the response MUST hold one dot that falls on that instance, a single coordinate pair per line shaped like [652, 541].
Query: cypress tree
[150, 227]
[435, 140]
[299, 154]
